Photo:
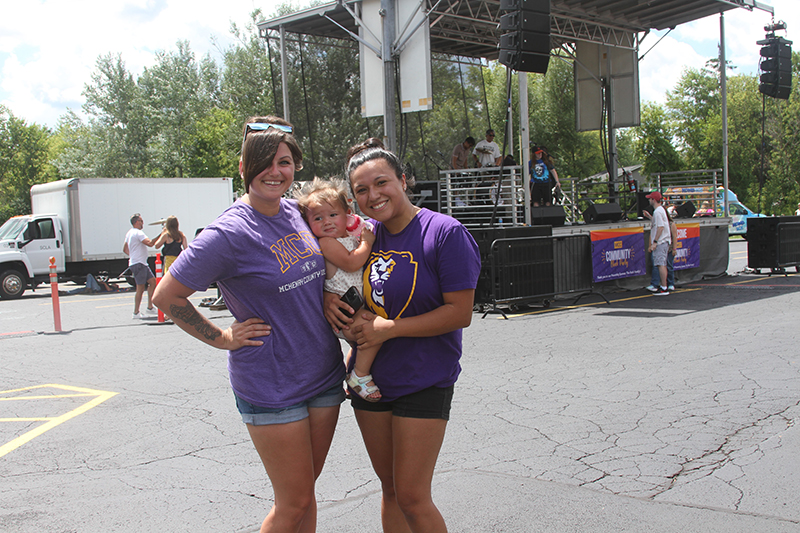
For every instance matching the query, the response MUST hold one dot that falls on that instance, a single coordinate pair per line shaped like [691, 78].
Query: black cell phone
[352, 298]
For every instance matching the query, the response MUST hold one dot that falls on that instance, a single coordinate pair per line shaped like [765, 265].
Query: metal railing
[698, 186]
[469, 196]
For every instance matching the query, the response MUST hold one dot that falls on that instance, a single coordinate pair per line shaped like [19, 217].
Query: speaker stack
[525, 43]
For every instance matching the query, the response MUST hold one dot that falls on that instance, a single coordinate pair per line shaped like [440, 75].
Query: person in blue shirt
[542, 174]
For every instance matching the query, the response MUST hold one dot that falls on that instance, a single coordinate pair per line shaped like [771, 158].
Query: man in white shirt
[660, 238]
[136, 243]
[486, 152]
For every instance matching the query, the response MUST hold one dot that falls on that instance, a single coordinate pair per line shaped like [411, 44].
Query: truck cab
[739, 212]
[26, 245]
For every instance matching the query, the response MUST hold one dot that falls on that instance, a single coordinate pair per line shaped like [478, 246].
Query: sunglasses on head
[263, 126]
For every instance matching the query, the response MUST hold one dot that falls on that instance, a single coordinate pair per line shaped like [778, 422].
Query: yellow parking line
[18, 398]
[100, 397]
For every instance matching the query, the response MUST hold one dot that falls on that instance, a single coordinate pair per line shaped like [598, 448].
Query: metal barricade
[484, 237]
[773, 243]
[535, 269]
[789, 245]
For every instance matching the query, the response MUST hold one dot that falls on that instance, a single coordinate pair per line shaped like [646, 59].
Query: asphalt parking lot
[661, 414]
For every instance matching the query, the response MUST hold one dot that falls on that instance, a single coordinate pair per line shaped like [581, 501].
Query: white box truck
[83, 222]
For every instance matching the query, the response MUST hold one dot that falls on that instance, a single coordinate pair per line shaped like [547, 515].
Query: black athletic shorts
[433, 402]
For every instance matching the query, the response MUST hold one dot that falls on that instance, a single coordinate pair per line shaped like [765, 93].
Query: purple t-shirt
[405, 276]
[271, 268]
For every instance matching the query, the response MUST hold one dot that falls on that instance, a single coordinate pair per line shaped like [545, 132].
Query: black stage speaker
[525, 42]
[767, 247]
[686, 209]
[552, 215]
[762, 242]
[776, 67]
[602, 213]
[643, 204]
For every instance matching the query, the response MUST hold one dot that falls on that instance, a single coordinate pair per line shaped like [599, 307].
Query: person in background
[659, 240]
[555, 183]
[135, 247]
[460, 158]
[542, 175]
[464, 182]
[671, 253]
[285, 364]
[705, 210]
[174, 242]
[486, 152]
[420, 284]
[798, 209]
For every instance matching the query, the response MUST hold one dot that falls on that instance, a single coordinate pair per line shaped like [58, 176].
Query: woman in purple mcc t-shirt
[285, 363]
[420, 284]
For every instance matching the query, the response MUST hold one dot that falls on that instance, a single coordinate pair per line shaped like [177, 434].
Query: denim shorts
[265, 416]
[433, 402]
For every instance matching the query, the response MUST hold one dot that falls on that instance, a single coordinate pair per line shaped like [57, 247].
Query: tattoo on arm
[189, 315]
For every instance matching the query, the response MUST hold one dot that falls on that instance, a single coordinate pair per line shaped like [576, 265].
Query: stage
[713, 250]
[525, 264]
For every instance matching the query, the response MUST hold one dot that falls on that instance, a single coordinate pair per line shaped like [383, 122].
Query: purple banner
[618, 253]
[687, 247]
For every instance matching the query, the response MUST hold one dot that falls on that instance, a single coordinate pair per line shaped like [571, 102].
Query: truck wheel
[12, 284]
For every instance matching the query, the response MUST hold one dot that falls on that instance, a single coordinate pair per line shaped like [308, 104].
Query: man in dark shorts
[136, 243]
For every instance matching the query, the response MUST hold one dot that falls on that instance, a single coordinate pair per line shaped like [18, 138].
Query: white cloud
[49, 48]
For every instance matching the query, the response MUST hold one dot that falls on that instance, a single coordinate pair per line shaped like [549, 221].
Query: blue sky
[48, 48]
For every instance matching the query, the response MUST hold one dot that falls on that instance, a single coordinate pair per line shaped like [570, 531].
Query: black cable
[485, 100]
[463, 96]
[308, 115]
[402, 141]
[272, 76]
[503, 151]
[424, 152]
[763, 154]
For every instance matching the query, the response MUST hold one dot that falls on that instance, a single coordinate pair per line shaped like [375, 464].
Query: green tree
[694, 100]
[654, 138]
[176, 93]
[214, 145]
[246, 80]
[24, 155]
